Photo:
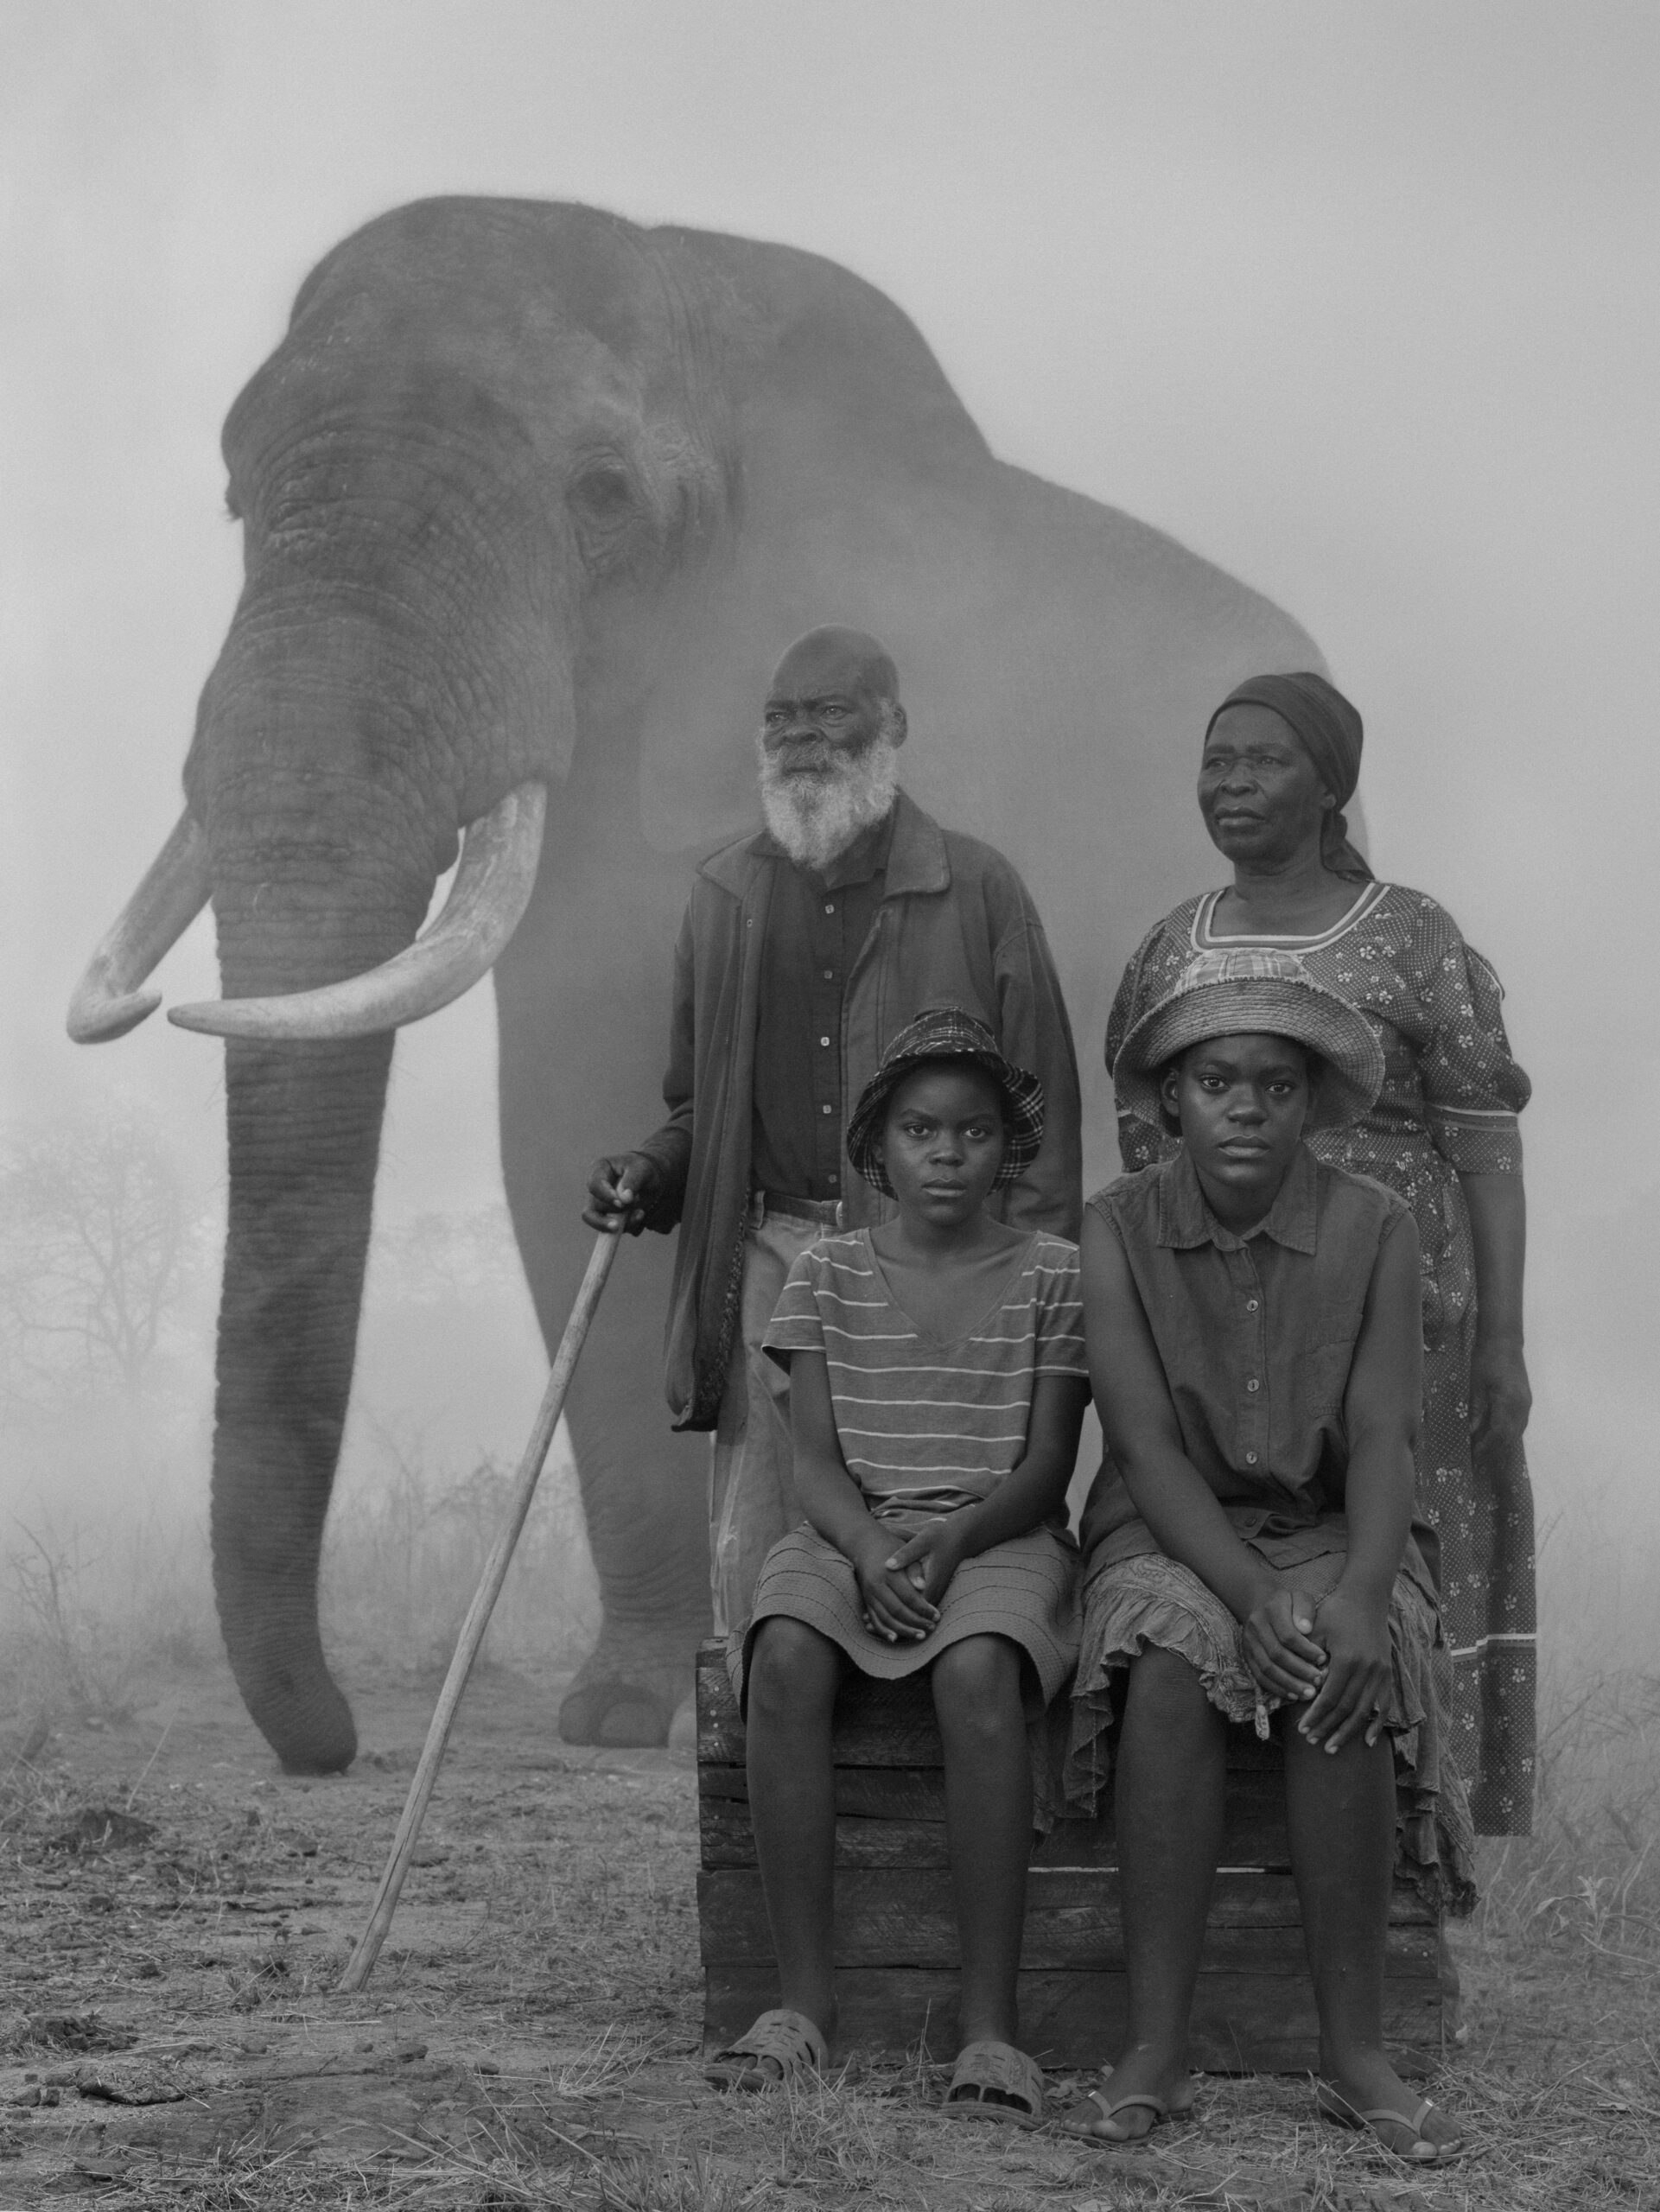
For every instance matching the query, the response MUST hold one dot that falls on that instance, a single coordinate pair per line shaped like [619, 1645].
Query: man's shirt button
[1251, 1458]
[1252, 1385]
[823, 1040]
[829, 906]
[829, 975]
[825, 1109]
[1250, 1305]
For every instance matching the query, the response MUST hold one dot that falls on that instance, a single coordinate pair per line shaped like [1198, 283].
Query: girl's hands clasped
[1342, 1679]
[1279, 1646]
[896, 1607]
[1351, 1700]
[902, 1588]
[929, 1558]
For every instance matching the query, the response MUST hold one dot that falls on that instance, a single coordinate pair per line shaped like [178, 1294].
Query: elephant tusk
[107, 1001]
[492, 889]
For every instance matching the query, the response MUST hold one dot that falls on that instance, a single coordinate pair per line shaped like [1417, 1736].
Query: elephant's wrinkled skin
[530, 494]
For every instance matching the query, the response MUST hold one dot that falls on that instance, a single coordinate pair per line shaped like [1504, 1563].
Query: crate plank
[1241, 2024]
[879, 1723]
[894, 1916]
[730, 1842]
[912, 1801]
[872, 1793]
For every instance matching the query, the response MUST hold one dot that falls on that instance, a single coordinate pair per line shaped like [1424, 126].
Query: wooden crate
[896, 1934]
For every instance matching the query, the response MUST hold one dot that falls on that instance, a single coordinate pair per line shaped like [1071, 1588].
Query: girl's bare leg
[977, 1686]
[1340, 1813]
[794, 1674]
[1167, 1810]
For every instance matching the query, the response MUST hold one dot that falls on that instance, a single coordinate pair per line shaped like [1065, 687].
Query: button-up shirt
[1256, 1336]
[816, 929]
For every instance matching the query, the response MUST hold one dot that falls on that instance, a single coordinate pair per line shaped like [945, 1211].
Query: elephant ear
[1058, 660]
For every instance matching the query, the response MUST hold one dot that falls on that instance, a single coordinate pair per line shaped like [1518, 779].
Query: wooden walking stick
[360, 1964]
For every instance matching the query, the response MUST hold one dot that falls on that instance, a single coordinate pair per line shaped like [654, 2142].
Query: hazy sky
[1357, 299]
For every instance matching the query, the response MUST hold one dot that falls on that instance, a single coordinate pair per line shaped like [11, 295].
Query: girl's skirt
[1150, 1601]
[1025, 1590]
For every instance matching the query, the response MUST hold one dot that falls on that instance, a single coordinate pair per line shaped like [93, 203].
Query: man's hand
[1279, 1646]
[621, 1191]
[930, 1559]
[1356, 1629]
[1500, 1402]
[895, 1609]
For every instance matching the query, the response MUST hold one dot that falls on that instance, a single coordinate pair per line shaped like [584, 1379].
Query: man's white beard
[816, 817]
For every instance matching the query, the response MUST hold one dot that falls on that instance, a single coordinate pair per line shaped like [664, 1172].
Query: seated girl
[1254, 1341]
[936, 1388]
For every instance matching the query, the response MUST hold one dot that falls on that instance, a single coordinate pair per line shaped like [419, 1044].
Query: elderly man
[804, 948]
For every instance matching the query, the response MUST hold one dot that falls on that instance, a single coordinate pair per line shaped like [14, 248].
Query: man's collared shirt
[816, 929]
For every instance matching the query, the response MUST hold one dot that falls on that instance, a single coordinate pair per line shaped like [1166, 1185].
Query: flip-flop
[1006, 2085]
[789, 2039]
[1332, 2105]
[1157, 2105]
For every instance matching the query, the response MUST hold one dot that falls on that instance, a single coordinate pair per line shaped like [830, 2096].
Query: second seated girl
[1253, 1334]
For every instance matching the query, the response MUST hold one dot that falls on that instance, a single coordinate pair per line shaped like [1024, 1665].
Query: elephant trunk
[311, 885]
[304, 1127]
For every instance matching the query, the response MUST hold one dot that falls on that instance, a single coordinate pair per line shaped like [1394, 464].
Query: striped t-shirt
[925, 1425]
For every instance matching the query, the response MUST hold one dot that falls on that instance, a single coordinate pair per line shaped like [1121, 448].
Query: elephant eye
[603, 492]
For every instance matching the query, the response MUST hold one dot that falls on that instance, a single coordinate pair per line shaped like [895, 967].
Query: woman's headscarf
[1331, 732]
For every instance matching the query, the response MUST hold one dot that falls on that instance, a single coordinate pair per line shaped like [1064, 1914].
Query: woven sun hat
[947, 1033]
[1222, 993]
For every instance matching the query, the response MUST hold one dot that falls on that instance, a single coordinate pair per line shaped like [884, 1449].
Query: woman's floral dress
[1451, 1095]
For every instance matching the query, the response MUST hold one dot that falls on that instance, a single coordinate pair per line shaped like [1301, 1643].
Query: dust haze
[1357, 304]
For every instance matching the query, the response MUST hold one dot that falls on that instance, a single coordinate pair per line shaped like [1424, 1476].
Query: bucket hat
[948, 1033]
[1222, 993]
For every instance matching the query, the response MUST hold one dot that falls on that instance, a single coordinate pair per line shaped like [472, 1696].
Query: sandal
[788, 2040]
[1424, 2151]
[1092, 2133]
[993, 2080]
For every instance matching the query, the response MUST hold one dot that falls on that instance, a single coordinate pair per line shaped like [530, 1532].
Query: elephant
[533, 497]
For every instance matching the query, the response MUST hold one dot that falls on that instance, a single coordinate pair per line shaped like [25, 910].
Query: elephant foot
[624, 1699]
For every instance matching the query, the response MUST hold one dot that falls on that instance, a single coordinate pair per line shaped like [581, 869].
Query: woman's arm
[1171, 1496]
[1380, 1411]
[1500, 1397]
[835, 1505]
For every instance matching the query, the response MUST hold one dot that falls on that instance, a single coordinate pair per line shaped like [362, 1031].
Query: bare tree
[97, 1241]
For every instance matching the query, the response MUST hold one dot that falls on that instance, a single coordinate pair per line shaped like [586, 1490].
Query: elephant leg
[645, 1489]
[644, 1493]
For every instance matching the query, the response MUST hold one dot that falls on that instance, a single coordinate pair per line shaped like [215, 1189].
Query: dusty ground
[175, 1913]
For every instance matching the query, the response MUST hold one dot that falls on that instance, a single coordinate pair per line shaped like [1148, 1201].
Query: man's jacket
[955, 927]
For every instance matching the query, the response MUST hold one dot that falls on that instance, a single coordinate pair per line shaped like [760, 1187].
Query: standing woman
[1281, 760]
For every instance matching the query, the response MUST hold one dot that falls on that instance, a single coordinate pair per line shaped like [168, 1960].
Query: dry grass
[404, 1561]
[573, 1967]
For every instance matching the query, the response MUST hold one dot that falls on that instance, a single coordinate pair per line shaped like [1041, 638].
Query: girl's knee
[792, 1670]
[1165, 1687]
[976, 1685]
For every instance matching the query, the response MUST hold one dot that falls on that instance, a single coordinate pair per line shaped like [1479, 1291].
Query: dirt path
[176, 1914]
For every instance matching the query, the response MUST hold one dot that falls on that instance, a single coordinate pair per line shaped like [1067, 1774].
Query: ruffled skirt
[1152, 1602]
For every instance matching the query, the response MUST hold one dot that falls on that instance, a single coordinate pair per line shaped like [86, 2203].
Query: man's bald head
[833, 658]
